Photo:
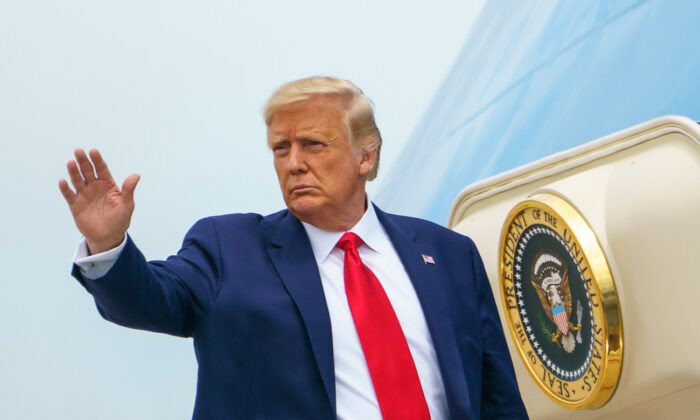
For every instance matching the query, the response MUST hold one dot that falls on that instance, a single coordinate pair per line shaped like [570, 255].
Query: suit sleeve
[163, 296]
[500, 396]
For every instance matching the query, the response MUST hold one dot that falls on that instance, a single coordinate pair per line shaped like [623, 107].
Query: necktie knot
[349, 240]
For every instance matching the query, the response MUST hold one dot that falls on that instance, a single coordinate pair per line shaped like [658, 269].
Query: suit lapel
[291, 253]
[426, 279]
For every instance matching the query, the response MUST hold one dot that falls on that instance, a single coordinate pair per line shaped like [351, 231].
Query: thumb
[129, 186]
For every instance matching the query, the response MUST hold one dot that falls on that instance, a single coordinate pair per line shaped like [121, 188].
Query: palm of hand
[100, 209]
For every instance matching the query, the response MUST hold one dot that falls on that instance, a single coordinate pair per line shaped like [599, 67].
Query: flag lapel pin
[428, 259]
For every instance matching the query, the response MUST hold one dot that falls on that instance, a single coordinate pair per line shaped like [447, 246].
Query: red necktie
[389, 360]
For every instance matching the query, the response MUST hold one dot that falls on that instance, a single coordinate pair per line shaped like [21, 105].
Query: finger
[129, 186]
[100, 165]
[85, 166]
[68, 194]
[75, 178]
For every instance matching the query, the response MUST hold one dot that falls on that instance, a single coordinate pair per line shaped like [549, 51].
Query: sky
[173, 91]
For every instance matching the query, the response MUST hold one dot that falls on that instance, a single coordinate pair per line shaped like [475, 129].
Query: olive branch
[545, 325]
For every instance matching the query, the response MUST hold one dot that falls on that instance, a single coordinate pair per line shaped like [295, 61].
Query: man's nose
[297, 160]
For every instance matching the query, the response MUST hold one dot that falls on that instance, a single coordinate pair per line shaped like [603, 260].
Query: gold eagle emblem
[550, 278]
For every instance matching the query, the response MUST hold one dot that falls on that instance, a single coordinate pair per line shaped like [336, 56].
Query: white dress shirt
[355, 397]
[97, 265]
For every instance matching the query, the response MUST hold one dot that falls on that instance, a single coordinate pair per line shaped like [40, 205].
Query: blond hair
[359, 115]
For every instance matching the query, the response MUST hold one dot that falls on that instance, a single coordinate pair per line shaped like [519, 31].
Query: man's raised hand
[102, 212]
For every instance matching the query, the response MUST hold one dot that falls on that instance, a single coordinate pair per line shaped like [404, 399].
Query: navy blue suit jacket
[248, 290]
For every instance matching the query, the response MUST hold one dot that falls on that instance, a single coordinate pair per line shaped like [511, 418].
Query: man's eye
[279, 149]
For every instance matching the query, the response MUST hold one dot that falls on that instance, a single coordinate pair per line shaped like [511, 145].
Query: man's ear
[369, 158]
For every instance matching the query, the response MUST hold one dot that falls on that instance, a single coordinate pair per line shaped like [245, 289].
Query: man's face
[321, 174]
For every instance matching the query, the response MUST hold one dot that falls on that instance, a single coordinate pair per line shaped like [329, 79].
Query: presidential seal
[560, 302]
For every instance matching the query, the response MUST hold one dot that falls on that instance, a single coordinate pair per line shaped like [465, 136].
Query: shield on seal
[560, 318]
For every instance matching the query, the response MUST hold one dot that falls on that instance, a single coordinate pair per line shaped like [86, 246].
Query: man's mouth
[301, 188]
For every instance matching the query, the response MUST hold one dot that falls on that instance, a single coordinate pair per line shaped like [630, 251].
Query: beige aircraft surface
[592, 254]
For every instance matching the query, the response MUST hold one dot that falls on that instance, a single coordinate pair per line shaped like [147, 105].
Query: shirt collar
[368, 228]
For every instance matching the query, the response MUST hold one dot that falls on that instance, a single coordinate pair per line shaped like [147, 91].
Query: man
[328, 309]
